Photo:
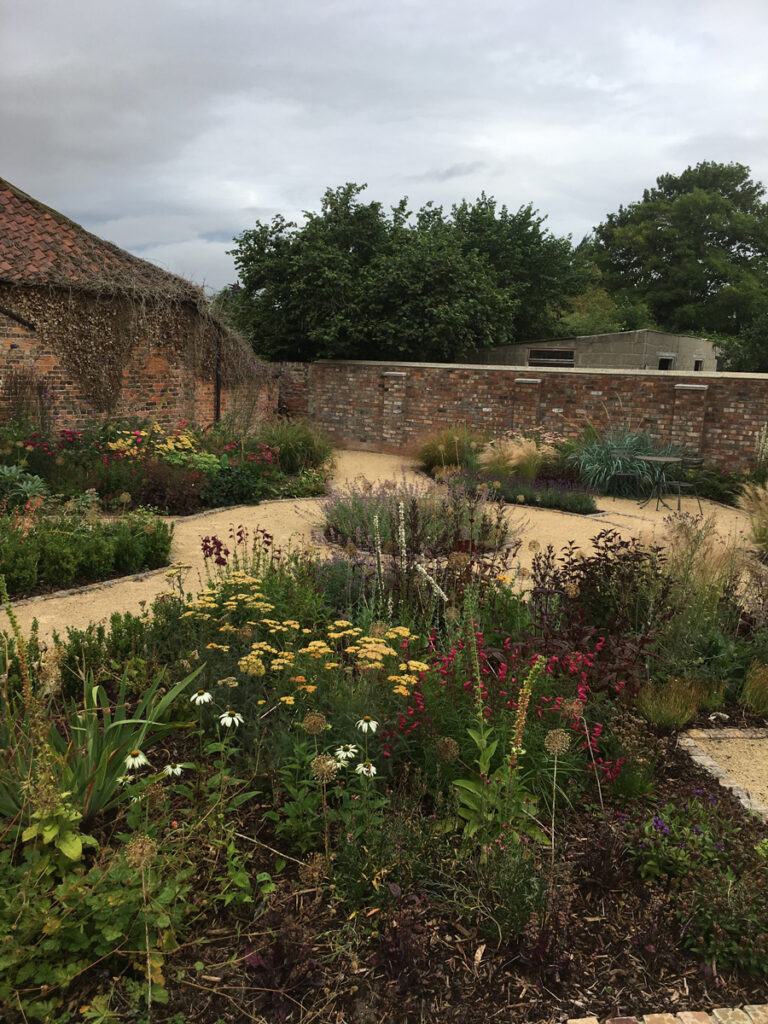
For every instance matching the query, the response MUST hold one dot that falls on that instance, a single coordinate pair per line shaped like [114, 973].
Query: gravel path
[291, 521]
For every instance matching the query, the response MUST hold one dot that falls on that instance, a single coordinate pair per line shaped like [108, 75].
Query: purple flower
[660, 825]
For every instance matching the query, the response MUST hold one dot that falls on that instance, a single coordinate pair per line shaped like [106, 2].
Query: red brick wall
[154, 383]
[293, 389]
[388, 406]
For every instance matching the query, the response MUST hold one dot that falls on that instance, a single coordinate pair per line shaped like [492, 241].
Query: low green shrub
[672, 703]
[54, 550]
[410, 518]
[298, 444]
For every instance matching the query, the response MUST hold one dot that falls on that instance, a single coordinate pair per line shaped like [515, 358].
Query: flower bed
[407, 778]
[178, 471]
[44, 549]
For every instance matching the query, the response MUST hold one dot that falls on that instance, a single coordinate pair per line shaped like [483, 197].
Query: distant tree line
[357, 282]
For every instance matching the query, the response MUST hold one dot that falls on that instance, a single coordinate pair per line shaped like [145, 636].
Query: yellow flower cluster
[317, 649]
[284, 660]
[185, 442]
[252, 665]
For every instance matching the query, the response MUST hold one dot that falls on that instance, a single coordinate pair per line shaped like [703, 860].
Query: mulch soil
[610, 946]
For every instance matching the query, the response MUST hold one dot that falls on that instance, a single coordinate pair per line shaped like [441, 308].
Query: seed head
[324, 768]
[557, 741]
[447, 749]
[574, 708]
[314, 723]
[140, 851]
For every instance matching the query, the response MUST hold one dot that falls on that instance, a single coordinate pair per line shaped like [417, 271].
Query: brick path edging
[720, 1015]
[688, 742]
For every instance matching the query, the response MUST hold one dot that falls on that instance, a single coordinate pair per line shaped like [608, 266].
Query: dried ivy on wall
[95, 332]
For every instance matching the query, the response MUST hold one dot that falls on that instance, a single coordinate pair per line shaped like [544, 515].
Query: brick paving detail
[721, 1015]
[688, 742]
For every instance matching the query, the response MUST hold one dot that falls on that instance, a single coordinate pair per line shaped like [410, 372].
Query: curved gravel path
[291, 522]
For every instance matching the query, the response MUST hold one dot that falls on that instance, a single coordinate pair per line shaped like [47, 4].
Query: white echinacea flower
[230, 718]
[135, 759]
[173, 769]
[366, 768]
[201, 697]
[345, 752]
[367, 724]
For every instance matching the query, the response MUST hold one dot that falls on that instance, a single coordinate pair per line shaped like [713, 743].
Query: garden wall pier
[383, 406]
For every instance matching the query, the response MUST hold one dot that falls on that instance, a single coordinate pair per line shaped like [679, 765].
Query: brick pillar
[392, 407]
[525, 404]
[688, 416]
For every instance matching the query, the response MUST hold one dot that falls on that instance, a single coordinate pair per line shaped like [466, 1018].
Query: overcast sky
[169, 126]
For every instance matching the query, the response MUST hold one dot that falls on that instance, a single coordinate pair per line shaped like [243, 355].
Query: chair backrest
[691, 462]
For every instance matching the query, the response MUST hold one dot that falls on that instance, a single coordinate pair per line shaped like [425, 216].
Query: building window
[666, 363]
[698, 365]
[550, 357]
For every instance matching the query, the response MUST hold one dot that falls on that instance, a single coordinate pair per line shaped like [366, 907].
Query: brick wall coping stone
[750, 1014]
[688, 742]
[584, 371]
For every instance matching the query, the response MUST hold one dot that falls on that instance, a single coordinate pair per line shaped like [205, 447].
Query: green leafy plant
[453, 447]
[611, 462]
[682, 837]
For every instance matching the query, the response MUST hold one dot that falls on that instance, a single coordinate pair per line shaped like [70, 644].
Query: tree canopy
[694, 250]
[356, 282]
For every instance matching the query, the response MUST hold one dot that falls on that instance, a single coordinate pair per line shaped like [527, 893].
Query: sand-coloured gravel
[291, 523]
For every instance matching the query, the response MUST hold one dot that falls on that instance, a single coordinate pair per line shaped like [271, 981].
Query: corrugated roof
[39, 246]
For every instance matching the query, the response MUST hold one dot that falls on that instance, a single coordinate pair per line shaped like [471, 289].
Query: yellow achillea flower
[264, 647]
[317, 649]
[217, 647]
[400, 631]
[298, 679]
[252, 665]
[307, 689]
[415, 666]
[402, 691]
[290, 701]
[331, 665]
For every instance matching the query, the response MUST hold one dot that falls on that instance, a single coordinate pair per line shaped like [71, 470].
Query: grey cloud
[454, 171]
[168, 126]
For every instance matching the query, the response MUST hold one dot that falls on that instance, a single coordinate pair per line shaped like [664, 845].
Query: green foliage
[406, 517]
[454, 446]
[594, 311]
[695, 249]
[55, 925]
[299, 445]
[680, 838]
[611, 461]
[55, 549]
[352, 280]
[18, 487]
[672, 703]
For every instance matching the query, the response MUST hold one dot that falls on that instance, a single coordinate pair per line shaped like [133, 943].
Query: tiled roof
[39, 246]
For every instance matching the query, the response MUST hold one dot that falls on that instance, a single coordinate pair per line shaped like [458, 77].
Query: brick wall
[389, 406]
[293, 389]
[154, 379]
